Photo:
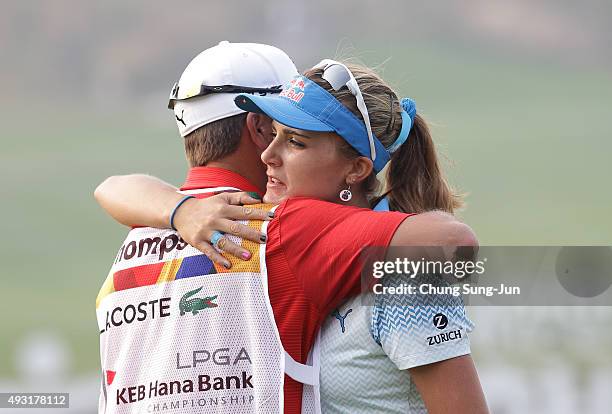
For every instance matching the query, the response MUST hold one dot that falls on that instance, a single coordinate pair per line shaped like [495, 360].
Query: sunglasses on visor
[207, 90]
[338, 76]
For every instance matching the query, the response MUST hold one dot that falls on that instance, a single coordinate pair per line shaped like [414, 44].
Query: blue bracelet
[180, 203]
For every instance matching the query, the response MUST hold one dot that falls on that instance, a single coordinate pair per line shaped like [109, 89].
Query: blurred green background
[520, 97]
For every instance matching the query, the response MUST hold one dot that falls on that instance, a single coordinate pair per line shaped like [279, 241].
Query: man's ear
[359, 170]
[260, 129]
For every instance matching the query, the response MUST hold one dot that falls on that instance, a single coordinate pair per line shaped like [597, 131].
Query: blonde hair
[415, 181]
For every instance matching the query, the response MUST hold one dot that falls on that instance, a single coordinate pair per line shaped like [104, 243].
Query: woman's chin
[273, 197]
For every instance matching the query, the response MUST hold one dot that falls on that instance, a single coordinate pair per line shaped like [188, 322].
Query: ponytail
[415, 182]
[414, 179]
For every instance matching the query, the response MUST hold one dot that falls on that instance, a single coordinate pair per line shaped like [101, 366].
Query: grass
[529, 143]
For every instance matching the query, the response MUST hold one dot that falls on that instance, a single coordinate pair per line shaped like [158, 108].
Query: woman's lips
[275, 183]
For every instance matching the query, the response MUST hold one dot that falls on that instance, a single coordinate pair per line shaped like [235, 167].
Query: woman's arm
[434, 228]
[138, 199]
[143, 200]
[446, 237]
[450, 386]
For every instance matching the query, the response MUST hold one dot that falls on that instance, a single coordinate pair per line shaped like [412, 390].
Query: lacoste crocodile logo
[341, 318]
[195, 305]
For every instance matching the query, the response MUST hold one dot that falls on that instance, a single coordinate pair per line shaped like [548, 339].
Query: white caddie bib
[180, 334]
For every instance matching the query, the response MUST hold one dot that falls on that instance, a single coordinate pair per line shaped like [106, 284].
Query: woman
[330, 141]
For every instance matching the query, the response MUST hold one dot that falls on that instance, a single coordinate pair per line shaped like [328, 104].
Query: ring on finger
[234, 227]
[216, 236]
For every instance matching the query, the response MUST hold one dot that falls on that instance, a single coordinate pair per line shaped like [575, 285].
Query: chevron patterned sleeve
[421, 329]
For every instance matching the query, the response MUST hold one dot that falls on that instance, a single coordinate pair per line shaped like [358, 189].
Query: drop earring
[346, 195]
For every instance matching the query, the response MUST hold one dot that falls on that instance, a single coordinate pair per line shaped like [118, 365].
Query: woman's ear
[360, 169]
[260, 129]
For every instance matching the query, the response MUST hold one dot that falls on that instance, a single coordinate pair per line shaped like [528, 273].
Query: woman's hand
[142, 200]
[197, 219]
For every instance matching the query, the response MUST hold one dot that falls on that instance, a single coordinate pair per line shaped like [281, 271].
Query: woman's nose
[270, 156]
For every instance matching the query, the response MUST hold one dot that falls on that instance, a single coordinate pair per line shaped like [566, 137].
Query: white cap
[249, 65]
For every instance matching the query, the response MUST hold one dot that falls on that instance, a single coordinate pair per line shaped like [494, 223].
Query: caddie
[178, 332]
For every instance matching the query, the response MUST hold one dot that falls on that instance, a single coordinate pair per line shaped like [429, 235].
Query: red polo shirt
[312, 256]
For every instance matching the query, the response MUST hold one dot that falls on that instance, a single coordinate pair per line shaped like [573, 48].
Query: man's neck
[253, 173]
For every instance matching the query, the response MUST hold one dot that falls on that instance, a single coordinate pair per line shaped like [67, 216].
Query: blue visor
[302, 104]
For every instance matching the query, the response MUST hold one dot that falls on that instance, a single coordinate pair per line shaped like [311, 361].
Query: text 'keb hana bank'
[179, 334]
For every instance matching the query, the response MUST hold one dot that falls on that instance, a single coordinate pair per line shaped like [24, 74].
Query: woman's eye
[296, 143]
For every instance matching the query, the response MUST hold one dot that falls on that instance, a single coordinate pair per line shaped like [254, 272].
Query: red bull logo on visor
[294, 90]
